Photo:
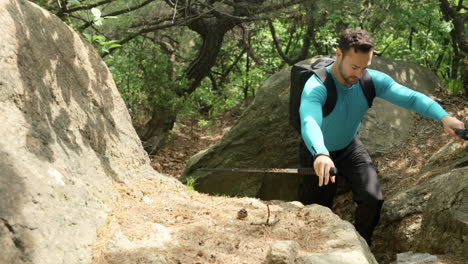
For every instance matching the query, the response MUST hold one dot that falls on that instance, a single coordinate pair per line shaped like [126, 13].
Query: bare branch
[116, 13]
[277, 43]
[259, 9]
[129, 9]
[245, 43]
[150, 29]
[308, 38]
[231, 67]
[86, 7]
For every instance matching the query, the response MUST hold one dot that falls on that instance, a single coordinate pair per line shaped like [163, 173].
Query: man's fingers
[332, 178]
[320, 179]
[322, 165]
[326, 175]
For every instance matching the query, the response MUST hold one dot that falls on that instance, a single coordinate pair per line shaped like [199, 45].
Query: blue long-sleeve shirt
[337, 130]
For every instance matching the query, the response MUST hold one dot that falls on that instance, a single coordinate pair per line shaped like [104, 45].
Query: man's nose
[358, 73]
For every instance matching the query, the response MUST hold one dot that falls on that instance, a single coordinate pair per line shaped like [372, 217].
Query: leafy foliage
[146, 78]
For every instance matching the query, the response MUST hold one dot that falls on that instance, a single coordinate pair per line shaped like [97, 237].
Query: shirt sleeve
[313, 98]
[395, 93]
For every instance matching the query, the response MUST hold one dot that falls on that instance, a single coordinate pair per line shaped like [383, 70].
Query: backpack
[300, 73]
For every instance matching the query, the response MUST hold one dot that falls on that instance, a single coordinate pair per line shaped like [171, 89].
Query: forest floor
[223, 237]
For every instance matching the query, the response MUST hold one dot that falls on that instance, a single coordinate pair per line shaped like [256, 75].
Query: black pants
[355, 165]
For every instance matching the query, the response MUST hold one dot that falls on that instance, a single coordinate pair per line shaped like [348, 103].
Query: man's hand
[450, 124]
[322, 165]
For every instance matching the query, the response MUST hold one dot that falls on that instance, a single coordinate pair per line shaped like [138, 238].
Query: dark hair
[359, 39]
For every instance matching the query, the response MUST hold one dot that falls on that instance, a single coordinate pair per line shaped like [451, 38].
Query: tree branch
[276, 41]
[258, 9]
[86, 7]
[116, 13]
[309, 35]
[229, 69]
[245, 43]
[130, 9]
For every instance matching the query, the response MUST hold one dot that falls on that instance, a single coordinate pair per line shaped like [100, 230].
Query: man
[333, 141]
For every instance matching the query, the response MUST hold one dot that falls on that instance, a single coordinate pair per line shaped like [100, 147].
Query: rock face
[349, 249]
[415, 258]
[66, 136]
[444, 228]
[282, 252]
[264, 138]
[432, 216]
[176, 225]
[346, 248]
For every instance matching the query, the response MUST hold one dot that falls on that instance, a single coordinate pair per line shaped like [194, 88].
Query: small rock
[147, 200]
[282, 252]
[242, 214]
[297, 203]
[415, 258]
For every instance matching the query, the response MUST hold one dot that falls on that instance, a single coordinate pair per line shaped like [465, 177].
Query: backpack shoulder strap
[300, 73]
[368, 87]
[329, 83]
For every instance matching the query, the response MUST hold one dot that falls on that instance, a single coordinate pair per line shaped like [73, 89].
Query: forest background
[186, 62]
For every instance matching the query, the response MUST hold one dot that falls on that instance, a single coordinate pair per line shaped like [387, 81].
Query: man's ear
[338, 53]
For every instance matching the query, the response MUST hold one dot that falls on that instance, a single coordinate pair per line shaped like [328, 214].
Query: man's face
[352, 64]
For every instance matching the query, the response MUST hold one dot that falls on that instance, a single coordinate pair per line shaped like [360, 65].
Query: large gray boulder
[444, 227]
[66, 137]
[431, 216]
[263, 137]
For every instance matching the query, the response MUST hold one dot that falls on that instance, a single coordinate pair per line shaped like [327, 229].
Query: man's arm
[312, 100]
[388, 89]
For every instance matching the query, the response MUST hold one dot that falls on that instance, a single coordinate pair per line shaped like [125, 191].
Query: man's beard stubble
[349, 80]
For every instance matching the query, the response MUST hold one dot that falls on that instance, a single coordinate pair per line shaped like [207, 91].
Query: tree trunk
[458, 18]
[465, 74]
[162, 120]
[201, 66]
[155, 131]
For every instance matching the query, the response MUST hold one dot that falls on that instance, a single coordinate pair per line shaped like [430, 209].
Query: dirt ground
[227, 238]
[209, 229]
[426, 137]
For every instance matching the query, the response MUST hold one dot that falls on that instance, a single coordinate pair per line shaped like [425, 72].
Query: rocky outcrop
[432, 216]
[415, 258]
[444, 226]
[282, 252]
[263, 138]
[66, 137]
[174, 225]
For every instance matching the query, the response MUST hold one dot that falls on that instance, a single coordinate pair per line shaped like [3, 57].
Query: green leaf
[88, 37]
[99, 38]
[109, 42]
[446, 26]
[114, 46]
[74, 2]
